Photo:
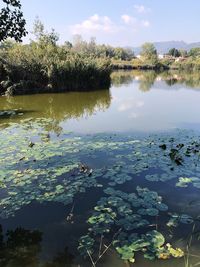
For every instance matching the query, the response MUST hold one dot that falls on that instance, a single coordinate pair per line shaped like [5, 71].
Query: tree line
[44, 65]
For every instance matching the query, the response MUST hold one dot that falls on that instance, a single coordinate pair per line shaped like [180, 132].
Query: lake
[103, 178]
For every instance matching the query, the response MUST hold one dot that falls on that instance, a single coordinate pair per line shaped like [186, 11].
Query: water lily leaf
[126, 253]
[186, 219]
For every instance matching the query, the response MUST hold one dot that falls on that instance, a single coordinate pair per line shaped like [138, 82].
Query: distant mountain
[163, 47]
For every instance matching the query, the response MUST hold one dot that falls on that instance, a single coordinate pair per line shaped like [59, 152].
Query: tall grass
[37, 69]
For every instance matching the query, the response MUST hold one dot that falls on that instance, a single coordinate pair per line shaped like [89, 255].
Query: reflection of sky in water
[137, 101]
[160, 108]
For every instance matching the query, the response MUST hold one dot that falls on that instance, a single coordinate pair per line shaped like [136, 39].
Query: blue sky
[118, 22]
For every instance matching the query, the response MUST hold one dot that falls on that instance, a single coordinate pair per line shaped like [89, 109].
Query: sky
[117, 22]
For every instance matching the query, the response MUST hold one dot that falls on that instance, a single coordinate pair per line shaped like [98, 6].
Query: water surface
[62, 155]
[137, 101]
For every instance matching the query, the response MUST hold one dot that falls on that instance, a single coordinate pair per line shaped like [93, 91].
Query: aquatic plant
[38, 165]
[128, 212]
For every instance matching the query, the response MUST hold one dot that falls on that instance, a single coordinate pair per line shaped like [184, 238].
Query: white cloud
[128, 19]
[134, 23]
[146, 23]
[141, 9]
[94, 24]
[104, 28]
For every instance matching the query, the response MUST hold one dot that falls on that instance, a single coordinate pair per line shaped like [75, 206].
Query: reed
[27, 69]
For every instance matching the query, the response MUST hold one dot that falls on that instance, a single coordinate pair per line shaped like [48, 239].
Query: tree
[91, 46]
[123, 53]
[149, 53]
[43, 36]
[77, 39]
[12, 23]
[183, 52]
[68, 45]
[129, 53]
[148, 50]
[79, 45]
[7, 44]
[119, 53]
[194, 52]
[174, 52]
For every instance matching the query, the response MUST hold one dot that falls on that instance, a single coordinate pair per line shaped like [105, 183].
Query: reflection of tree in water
[22, 248]
[172, 81]
[146, 79]
[119, 78]
[190, 79]
[58, 107]
[64, 259]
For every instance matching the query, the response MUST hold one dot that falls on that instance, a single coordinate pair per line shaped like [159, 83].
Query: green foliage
[116, 210]
[101, 51]
[149, 60]
[174, 52]
[183, 53]
[148, 49]
[123, 54]
[43, 66]
[186, 181]
[12, 23]
[191, 63]
[86, 245]
[149, 54]
[194, 52]
[44, 38]
[124, 210]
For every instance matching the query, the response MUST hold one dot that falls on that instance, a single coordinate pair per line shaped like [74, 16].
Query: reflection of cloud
[125, 106]
[140, 104]
[133, 115]
[137, 78]
[129, 104]
[116, 99]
